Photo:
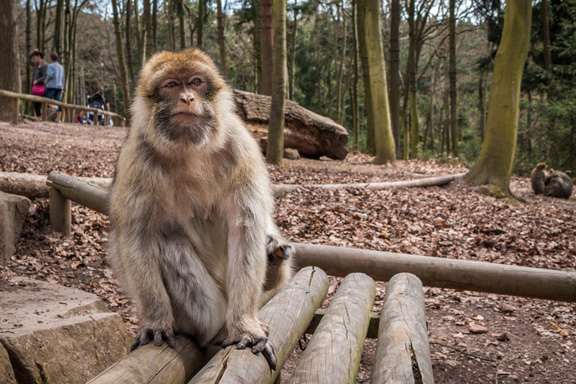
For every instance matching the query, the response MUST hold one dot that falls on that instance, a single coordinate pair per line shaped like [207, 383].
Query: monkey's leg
[136, 256]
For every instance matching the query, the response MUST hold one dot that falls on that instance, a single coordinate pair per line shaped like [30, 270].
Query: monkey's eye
[196, 80]
[170, 84]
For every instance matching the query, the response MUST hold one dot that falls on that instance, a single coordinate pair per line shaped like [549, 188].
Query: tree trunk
[221, 45]
[275, 147]
[340, 72]
[266, 49]
[494, 165]
[121, 61]
[200, 22]
[28, 50]
[411, 70]
[384, 140]
[363, 50]
[58, 29]
[257, 37]
[10, 73]
[171, 17]
[355, 101]
[147, 32]
[546, 41]
[482, 79]
[292, 53]
[181, 25]
[395, 10]
[128, 31]
[452, 75]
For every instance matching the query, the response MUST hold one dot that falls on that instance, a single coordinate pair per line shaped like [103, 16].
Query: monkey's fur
[193, 239]
[550, 182]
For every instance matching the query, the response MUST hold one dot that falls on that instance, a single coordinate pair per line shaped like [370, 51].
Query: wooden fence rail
[73, 108]
[338, 261]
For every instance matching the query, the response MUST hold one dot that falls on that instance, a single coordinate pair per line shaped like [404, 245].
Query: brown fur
[191, 210]
[538, 178]
[550, 182]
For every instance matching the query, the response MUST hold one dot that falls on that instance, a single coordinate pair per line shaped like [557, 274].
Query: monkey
[538, 178]
[558, 185]
[192, 234]
[550, 182]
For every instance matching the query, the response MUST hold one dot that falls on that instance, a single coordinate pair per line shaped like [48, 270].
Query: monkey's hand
[278, 247]
[146, 335]
[258, 344]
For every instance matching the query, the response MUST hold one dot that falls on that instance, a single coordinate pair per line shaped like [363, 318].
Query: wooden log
[433, 271]
[45, 101]
[372, 332]
[333, 354]
[151, 364]
[403, 352]
[443, 273]
[60, 212]
[34, 186]
[311, 134]
[81, 192]
[288, 314]
[425, 182]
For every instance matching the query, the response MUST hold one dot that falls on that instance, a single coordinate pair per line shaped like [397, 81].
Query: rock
[58, 334]
[13, 212]
[506, 308]
[6, 371]
[476, 329]
[291, 154]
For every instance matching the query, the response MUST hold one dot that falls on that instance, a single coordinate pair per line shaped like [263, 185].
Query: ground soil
[523, 340]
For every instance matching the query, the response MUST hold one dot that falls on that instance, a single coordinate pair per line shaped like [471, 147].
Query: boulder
[13, 212]
[6, 371]
[56, 334]
[311, 134]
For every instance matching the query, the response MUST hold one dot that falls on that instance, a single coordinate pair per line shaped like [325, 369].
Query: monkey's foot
[258, 345]
[276, 246]
[146, 335]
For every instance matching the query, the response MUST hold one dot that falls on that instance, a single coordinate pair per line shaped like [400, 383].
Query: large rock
[313, 135]
[6, 371]
[56, 334]
[13, 212]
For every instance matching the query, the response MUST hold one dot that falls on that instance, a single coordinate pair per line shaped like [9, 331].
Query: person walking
[39, 78]
[55, 82]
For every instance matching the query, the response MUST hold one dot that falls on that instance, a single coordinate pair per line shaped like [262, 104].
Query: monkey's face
[184, 107]
[179, 93]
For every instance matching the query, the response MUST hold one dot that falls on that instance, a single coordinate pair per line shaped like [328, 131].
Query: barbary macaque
[538, 178]
[558, 185]
[550, 182]
[193, 239]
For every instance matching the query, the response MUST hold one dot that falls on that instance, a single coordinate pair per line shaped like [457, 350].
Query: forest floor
[524, 340]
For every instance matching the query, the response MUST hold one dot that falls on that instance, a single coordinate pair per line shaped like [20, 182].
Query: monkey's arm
[246, 269]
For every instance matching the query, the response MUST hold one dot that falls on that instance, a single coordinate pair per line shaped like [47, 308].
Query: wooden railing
[69, 110]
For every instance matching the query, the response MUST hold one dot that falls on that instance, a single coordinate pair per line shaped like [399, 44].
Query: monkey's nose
[187, 97]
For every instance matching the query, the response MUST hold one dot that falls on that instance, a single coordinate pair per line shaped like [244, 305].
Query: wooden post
[60, 212]
[15, 111]
[333, 354]
[93, 197]
[403, 352]
[151, 364]
[288, 315]
[44, 115]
